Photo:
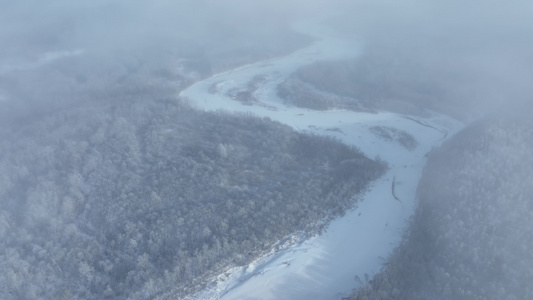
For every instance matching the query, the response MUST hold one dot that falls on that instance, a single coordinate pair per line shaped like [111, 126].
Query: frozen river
[355, 245]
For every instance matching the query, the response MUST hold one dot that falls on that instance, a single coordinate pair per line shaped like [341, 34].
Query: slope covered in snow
[353, 247]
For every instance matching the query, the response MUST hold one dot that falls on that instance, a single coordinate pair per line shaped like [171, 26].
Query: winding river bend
[354, 246]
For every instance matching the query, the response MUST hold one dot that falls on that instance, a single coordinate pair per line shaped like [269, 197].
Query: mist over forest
[112, 186]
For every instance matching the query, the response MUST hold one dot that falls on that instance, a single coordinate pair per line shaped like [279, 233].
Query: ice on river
[355, 245]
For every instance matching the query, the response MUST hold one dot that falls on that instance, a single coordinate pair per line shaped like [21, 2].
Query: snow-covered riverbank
[354, 246]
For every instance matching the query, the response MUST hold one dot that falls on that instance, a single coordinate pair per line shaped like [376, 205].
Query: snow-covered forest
[245, 149]
[111, 187]
[132, 200]
[471, 235]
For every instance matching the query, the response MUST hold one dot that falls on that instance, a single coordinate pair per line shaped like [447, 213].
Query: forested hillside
[135, 199]
[471, 236]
